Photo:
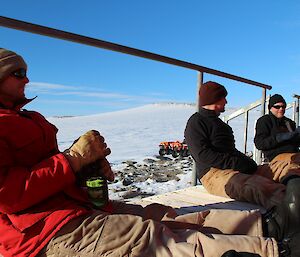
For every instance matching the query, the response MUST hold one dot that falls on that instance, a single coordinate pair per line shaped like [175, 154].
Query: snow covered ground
[135, 134]
[132, 134]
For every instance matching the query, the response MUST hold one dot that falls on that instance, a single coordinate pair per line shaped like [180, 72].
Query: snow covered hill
[134, 135]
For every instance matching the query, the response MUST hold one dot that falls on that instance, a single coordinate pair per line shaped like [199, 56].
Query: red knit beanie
[211, 92]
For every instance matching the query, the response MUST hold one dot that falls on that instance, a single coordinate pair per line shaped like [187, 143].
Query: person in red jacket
[43, 211]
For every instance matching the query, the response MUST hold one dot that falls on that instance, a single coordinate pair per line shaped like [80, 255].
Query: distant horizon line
[130, 108]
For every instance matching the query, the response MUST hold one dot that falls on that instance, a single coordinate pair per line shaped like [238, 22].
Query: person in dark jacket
[275, 133]
[225, 171]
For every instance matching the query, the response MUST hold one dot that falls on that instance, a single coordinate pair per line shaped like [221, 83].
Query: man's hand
[98, 168]
[87, 149]
[280, 137]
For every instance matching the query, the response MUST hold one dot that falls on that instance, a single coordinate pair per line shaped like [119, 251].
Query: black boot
[292, 200]
[290, 247]
[275, 223]
[283, 221]
[233, 253]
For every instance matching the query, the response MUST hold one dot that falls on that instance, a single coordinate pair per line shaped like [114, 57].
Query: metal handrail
[245, 110]
[55, 33]
[241, 111]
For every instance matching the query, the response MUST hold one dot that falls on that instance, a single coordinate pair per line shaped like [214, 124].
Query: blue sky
[258, 40]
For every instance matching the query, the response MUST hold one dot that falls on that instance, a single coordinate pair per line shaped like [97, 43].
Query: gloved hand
[243, 163]
[280, 137]
[86, 149]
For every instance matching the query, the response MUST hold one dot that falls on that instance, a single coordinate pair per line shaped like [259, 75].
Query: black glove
[285, 136]
[233, 253]
[244, 164]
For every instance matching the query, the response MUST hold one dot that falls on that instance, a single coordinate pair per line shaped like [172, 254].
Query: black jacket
[267, 127]
[211, 143]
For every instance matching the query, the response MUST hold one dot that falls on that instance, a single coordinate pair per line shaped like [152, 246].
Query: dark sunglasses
[20, 73]
[279, 106]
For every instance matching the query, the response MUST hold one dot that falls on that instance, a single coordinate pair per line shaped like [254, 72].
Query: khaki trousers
[263, 187]
[209, 233]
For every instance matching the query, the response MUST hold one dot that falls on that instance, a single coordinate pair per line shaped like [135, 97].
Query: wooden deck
[193, 199]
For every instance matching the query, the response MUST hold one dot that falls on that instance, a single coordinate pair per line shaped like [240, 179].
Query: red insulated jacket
[37, 185]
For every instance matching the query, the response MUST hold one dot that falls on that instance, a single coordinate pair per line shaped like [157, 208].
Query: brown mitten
[86, 149]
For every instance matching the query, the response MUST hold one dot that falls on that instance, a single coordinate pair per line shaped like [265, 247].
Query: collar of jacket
[19, 106]
[208, 113]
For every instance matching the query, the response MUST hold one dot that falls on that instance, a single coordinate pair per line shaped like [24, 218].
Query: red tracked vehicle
[175, 148]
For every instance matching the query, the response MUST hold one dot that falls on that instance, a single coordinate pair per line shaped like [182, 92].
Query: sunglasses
[20, 73]
[279, 106]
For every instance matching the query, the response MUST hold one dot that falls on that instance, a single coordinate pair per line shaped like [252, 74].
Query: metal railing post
[263, 101]
[246, 131]
[199, 84]
[258, 158]
[296, 110]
